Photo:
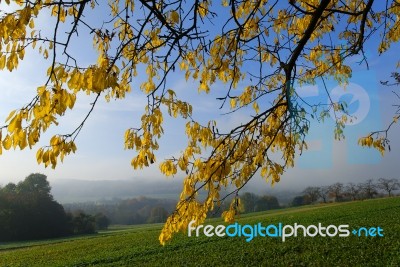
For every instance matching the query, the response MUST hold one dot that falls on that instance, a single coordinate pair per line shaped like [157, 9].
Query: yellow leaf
[45, 156]
[15, 139]
[255, 107]
[2, 62]
[10, 63]
[7, 142]
[54, 11]
[15, 123]
[174, 16]
[52, 159]
[39, 155]
[73, 147]
[233, 103]
[22, 143]
[10, 115]
[31, 24]
[203, 9]
[54, 140]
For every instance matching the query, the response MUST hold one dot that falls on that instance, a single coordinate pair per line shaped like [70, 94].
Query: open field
[138, 246]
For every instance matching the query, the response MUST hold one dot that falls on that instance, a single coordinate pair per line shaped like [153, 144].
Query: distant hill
[73, 191]
[70, 190]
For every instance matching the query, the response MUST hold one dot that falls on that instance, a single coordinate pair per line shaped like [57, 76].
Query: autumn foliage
[258, 50]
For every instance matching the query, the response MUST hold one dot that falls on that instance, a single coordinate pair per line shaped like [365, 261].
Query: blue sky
[101, 156]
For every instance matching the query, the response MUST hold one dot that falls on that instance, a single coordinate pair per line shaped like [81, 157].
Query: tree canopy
[258, 50]
[28, 211]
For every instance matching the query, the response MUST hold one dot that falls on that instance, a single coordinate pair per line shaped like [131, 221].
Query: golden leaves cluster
[53, 99]
[13, 31]
[234, 159]
[59, 147]
[144, 140]
[377, 143]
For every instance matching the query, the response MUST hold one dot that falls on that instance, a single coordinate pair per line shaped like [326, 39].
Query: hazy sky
[101, 156]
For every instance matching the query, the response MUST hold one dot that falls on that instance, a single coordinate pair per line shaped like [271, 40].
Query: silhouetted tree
[102, 221]
[368, 189]
[157, 215]
[335, 191]
[352, 190]
[267, 203]
[300, 201]
[324, 193]
[37, 184]
[312, 192]
[249, 201]
[388, 185]
[83, 223]
[28, 211]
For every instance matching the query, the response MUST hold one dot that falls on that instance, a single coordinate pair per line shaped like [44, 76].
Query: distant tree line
[347, 192]
[253, 203]
[28, 211]
[128, 211]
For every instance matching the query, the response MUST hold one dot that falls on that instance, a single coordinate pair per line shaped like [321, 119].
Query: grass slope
[139, 245]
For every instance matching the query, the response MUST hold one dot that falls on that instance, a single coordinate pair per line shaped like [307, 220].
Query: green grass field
[138, 246]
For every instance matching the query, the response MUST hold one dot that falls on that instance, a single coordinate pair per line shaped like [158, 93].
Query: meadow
[139, 246]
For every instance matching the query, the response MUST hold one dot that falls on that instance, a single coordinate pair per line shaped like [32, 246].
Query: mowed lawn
[139, 246]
